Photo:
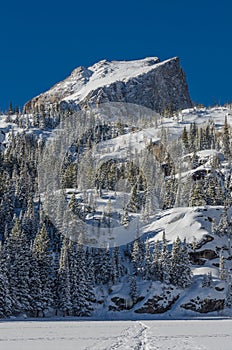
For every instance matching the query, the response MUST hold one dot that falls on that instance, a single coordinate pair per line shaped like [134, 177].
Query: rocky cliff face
[148, 82]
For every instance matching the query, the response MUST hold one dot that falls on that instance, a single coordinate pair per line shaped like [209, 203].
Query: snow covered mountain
[132, 206]
[147, 82]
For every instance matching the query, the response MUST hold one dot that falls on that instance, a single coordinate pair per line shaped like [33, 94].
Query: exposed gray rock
[157, 305]
[123, 304]
[198, 256]
[148, 82]
[205, 239]
[204, 306]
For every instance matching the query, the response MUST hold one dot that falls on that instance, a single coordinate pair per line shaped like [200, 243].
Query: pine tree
[228, 299]
[156, 271]
[134, 204]
[35, 286]
[211, 194]
[147, 263]
[222, 268]
[197, 196]
[73, 277]
[170, 192]
[165, 261]
[116, 265]
[55, 278]
[83, 302]
[193, 137]
[42, 254]
[135, 256]
[105, 265]
[226, 139]
[64, 293]
[90, 280]
[16, 251]
[175, 261]
[185, 139]
[207, 280]
[133, 289]
[10, 109]
[185, 267]
[5, 298]
[125, 218]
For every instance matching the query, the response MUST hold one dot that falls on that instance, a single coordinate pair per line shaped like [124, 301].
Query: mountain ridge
[147, 82]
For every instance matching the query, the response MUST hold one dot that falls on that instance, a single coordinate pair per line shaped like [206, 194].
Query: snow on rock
[187, 223]
[148, 82]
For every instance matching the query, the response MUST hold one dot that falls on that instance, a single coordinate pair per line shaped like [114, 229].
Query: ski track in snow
[117, 335]
[131, 338]
[141, 337]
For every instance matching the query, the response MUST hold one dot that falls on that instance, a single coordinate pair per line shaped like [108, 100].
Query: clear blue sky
[43, 41]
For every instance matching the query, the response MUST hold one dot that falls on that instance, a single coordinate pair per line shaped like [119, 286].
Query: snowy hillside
[116, 211]
[138, 139]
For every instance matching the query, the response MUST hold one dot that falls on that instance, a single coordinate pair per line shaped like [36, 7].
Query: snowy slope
[138, 140]
[83, 80]
[187, 223]
[105, 73]
[147, 82]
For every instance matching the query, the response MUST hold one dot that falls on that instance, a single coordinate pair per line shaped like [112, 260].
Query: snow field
[117, 335]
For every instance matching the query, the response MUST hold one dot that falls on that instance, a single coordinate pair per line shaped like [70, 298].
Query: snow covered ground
[117, 335]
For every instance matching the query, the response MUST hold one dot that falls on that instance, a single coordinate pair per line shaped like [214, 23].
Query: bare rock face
[200, 257]
[148, 82]
[204, 306]
[157, 304]
[120, 303]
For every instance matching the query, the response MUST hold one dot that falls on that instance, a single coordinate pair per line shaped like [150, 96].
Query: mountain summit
[147, 82]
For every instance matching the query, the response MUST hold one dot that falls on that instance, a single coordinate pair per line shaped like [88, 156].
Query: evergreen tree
[226, 139]
[5, 298]
[207, 280]
[90, 280]
[133, 289]
[197, 196]
[64, 293]
[16, 251]
[42, 254]
[185, 139]
[170, 192]
[148, 261]
[222, 268]
[156, 270]
[193, 133]
[223, 225]
[37, 302]
[185, 267]
[125, 218]
[116, 265]
[228, 300]
[134, 204]
[136, 258]
[84, 295]
[176, 261]
[165, 261]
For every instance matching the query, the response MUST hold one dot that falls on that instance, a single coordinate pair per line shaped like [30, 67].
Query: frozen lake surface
[116, 335]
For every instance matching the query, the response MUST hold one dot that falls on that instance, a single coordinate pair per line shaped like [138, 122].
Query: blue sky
[42, 42]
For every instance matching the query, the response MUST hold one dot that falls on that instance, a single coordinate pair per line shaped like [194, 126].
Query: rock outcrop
[157, 304]
[147, 82]
[204, 306]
